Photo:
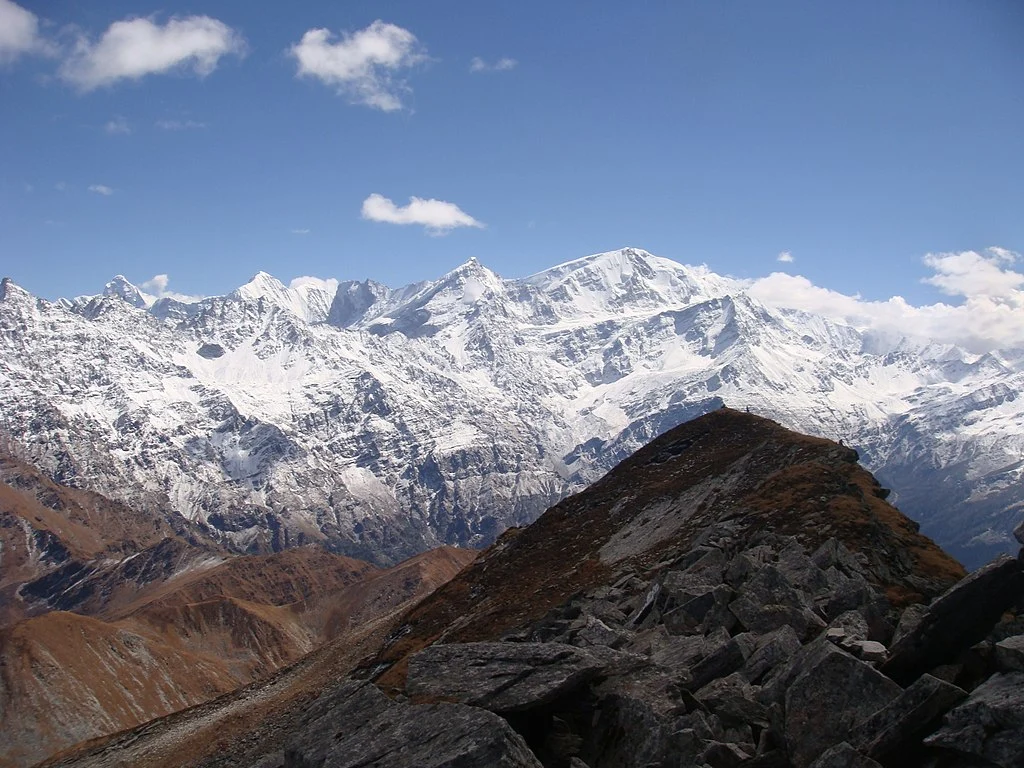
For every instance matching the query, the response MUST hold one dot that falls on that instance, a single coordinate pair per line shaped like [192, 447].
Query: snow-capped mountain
[385, 421]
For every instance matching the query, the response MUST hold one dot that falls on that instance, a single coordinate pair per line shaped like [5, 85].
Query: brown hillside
[68, 677]
[733, 472]
[205, 730]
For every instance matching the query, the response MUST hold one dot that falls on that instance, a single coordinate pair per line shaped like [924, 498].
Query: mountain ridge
[387, 421]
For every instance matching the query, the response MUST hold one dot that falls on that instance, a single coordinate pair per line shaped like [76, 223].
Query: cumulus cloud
[785, 257]
[19, 32]
[179, 125]
[501, 65]
[117, 125]
[438, 216]
[975, 274]
[156, 288]
[305, 283]
[133, 48]
[361, 65]
[101, 189]
[989, 316]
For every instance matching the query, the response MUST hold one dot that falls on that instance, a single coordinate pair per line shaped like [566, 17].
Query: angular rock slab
[989, 725]
[956, 620]
[842, 755]
[1010, 654]
[358, 727]
[832, 693]
[501, 677]
[907, 719]
[767, 602]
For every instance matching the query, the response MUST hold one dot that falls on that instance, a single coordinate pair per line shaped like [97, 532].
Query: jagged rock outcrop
[359, 727]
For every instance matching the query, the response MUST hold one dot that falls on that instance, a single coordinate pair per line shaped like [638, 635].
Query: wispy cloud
[61, 186]
[989, 316]
[501, 65]
[19, 33]
[133, 48]
[179, 125]
[101, 189]
[300, 231]
[361, 65]
[156, 287]
[439, 217]
[117, 125]
[785, 257]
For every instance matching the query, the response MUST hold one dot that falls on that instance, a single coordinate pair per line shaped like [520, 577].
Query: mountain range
[383, 422]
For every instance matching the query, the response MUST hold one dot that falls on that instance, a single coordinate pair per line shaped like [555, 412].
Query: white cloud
[133, 48]
[438, 216]
[974, 274]
[362, 64]
[118, 125]
[19, 32]
[990, 315]
[156, 288]
[785, 257]
[101, 189]
[330, 285]
[179, 125]
[61, 186]
[501, 65]
[300, 231]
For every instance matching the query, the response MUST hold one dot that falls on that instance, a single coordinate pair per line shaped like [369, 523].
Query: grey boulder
[989, 725]
[501, 677]
[356, 726]
[832, 693]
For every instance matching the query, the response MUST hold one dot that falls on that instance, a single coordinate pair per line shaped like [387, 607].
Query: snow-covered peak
[14, 296]
[629, 279]
[308, 298]
[125, 290]
[8, 286]
[261, 285]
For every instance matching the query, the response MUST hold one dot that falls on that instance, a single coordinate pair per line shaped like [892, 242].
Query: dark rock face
[842, 755]
[358, 727]
[901, 724]
[989, 726]
[501, 677]
[828, 698]
[958, 619]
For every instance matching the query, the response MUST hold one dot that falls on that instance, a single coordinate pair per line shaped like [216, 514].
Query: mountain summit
[383, 422]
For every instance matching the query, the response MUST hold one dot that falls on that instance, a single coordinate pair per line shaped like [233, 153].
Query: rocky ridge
[732, 594]
[384, 422]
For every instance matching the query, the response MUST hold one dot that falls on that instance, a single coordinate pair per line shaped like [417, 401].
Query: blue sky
[207, 140]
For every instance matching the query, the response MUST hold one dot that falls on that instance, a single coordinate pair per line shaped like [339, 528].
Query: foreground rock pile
[769, 656]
